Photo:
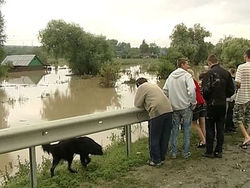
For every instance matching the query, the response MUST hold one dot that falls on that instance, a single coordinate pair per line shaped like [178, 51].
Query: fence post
[128, 139]
[33, 178]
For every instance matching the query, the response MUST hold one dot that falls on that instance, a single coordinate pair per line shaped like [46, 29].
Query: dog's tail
[47, 148]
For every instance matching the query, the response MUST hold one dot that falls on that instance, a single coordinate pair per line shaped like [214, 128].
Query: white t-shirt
[243, 77]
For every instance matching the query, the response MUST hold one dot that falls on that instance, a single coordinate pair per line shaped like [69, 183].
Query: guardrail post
[128, 139]
[33, 178]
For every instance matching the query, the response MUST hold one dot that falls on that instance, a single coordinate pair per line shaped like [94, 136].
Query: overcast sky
[126, 20]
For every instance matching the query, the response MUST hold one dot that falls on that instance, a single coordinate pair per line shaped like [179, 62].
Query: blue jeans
[159, 135]
[183, 117]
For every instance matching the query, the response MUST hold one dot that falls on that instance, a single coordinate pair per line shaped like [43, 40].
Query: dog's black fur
[66, 149]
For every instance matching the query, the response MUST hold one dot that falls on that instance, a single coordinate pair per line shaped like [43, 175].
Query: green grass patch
[111, 168]
[113, 164]
[132, 61]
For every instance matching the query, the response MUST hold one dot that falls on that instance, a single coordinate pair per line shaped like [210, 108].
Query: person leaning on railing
[151, 97]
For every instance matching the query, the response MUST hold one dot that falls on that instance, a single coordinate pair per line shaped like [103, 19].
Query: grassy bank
[113, 164]
[114, 169]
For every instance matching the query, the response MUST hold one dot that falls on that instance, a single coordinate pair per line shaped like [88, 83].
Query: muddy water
[31, 97]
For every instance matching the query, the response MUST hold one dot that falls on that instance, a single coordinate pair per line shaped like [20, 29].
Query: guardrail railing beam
[29, 136]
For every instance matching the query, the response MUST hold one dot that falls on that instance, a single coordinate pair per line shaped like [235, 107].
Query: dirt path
[230, 171]
[233, 170]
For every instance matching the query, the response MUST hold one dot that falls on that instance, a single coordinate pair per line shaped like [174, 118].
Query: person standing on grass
[229, 124]
[241, 111]
[180, 89]
[199, 114]
[151, 97]
[217, 85]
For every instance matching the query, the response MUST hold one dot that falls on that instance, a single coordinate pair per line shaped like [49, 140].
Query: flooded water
[31, 97]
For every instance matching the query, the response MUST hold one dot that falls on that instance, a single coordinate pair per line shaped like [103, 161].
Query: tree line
[89, 54]
[145, 50]
[191, 44]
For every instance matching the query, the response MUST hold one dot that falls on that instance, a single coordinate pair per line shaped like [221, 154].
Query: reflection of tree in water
[85, 97]
[3, 111]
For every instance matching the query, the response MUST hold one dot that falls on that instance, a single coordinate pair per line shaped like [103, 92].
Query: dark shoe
[151, 163]
[208, 155]
[217, 154]
[243, 146]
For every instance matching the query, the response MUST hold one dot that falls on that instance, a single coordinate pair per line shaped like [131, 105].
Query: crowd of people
[217, 103]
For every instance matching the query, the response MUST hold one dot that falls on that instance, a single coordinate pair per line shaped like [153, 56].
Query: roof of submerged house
[18, 60]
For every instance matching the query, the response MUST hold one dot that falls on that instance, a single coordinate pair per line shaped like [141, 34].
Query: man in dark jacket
[217, 85]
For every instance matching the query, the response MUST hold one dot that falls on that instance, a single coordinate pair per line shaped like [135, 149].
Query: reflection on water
[3, 111]
[31, 97]
[25, 77]
[84, 96]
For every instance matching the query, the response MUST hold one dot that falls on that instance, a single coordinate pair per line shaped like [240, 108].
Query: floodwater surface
[32, 97]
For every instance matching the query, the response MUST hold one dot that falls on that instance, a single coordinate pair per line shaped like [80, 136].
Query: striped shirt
[243, 77]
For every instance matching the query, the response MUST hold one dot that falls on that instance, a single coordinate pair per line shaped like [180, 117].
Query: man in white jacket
[180, 89]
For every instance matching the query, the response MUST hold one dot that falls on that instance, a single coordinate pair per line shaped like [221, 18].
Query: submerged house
[23, 62]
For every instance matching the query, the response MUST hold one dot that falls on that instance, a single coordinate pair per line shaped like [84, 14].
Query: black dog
[66, 149]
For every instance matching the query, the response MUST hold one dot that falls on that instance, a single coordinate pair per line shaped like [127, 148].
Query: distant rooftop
[18, 60]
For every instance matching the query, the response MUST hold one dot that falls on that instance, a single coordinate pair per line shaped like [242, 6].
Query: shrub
[165, 68]
[109, 74]
[4, 70]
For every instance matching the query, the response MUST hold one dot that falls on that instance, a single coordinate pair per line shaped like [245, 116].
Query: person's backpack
[210, 84]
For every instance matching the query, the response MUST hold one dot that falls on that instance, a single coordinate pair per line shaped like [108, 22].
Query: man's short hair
[247, 53]
[140, 81]
[181, 61]
[213, 59]
[232, 71]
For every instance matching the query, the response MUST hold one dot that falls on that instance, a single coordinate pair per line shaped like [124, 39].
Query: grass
[114, 163]
[135, 61]
[147, 64]
[110, 169]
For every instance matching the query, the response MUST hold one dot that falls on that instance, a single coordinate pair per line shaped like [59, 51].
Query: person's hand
[192, 106]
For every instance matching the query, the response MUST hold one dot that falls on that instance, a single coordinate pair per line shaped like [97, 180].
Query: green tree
[134, 53]
[3, 69]
[113, 43]
[168, 62]
[123, 49]
[144, 48]
[84, 51]
[190, 42]
[154, 50]
[2, 34]
[172, 55]
[230, 50]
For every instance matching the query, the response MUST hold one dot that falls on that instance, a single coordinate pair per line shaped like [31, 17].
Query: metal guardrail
[29, 136]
